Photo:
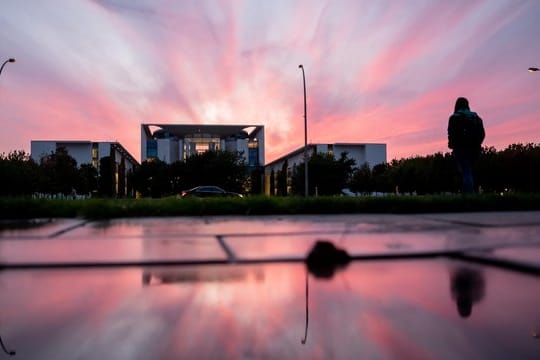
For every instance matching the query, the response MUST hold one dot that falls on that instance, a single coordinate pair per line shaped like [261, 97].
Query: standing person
[465, 136]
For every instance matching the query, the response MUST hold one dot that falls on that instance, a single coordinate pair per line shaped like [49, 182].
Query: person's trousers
[465, 167]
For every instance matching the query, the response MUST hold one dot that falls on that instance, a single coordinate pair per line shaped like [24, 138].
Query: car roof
[208, 187]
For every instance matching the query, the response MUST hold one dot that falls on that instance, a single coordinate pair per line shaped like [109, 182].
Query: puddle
[415, 309]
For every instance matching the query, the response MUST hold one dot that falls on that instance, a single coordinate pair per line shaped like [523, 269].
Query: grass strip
[26, 208]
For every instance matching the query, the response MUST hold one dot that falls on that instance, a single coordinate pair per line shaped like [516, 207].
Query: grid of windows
[200, 143]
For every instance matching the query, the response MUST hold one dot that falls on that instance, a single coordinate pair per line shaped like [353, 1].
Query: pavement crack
[69, 228]
[230, 254]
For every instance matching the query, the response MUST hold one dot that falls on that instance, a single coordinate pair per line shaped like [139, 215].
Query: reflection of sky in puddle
[269, 246]
[105, 249]
[205, 226]
[523, 254]
[370, 310]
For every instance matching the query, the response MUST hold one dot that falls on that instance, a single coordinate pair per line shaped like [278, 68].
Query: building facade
[372, 154]
[170, 142]
[89, 152]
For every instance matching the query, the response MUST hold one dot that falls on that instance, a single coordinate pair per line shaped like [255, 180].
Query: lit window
[201, 148]
[95, 155]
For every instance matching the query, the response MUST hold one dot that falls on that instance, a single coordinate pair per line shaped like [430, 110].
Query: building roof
[122, 150]
[184, 130]
[310, 146]
[114, 144]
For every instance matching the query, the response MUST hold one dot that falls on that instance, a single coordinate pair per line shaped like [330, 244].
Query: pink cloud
[380, 72]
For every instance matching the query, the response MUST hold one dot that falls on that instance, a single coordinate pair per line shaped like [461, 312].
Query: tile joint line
[230, 254]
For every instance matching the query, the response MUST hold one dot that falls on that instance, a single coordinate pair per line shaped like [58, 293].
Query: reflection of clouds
[388, 310]
[467, 287]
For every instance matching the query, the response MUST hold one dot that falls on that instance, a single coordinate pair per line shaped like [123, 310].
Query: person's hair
[461, 104]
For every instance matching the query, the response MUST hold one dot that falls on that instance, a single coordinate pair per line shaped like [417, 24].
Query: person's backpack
[473, 130]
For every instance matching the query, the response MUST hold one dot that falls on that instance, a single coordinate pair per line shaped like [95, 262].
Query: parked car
[208, 191]
[348, 192]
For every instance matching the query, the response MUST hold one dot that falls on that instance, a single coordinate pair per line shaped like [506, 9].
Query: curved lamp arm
[5, 62]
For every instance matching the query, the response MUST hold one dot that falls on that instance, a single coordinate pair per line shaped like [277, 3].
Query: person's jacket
[465, 131]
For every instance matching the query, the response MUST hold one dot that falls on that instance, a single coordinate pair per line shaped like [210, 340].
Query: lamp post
[305, 135]
[533, 69]
[5, 62]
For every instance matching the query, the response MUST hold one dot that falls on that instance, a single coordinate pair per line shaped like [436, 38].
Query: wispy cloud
[384, 71]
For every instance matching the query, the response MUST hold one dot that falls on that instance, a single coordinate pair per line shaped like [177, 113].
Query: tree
[221, 168]
[88, 179]
[282, 179]
[382, 177]
[326, 175]
[521, 167]
[272, 182]
[255, 180]
[60, 172]
[106, 177]
[152, 178]
[361, 181]
[19, 174]
[177, 176]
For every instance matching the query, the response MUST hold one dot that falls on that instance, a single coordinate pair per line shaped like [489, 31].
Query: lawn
[26, 208]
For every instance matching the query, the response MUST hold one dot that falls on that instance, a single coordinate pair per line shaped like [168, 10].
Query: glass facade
[179, 142]
[151, 149]
[95, 155]
[331, 149]
[253, 158]
[253, 153]
[200, 143]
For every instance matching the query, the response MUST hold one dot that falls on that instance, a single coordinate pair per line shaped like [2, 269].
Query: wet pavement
[429, 286]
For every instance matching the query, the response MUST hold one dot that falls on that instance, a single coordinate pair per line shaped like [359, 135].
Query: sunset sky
[385, 71]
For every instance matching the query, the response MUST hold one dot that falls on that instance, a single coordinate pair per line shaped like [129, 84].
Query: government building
[171, 142]
[91, 152]
[371, 154]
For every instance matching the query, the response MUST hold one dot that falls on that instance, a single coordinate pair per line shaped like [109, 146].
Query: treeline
[59, 173]
[225, 169]
[516, 168]
[56, 173]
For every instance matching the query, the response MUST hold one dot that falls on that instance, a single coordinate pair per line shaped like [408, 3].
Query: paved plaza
[425, 286]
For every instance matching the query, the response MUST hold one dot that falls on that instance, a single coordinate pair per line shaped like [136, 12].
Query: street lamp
[533, 69]
[305, 135]
[5, 62]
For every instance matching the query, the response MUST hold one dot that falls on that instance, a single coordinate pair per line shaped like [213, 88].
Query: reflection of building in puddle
[207, 273]
[467, 288]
